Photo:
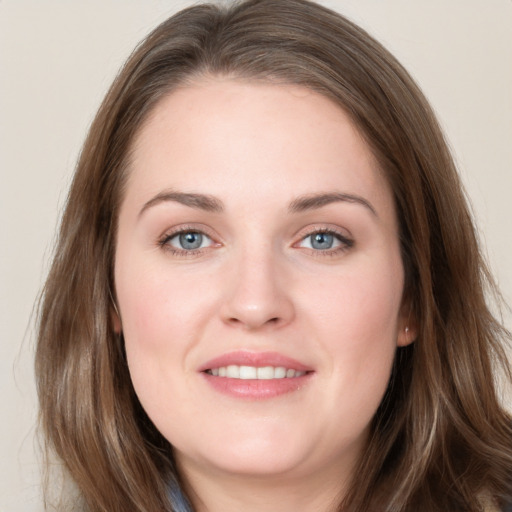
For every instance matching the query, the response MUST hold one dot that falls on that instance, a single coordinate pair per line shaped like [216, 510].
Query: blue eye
[328, 241]
[187, 241]
[322, 241]
[190, 241]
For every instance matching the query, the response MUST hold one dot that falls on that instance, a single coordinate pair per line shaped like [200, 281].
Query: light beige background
[57, 59]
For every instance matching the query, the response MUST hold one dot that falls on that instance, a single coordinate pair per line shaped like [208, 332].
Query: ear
[407, 327]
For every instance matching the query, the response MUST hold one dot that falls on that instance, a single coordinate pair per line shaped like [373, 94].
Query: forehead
[223, 134]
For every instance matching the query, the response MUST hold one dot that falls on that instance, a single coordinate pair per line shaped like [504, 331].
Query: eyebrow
[211, 204]
[314, 201]
[198, 201]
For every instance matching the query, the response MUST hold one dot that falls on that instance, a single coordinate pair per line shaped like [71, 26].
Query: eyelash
[345, 242]
[165, 245]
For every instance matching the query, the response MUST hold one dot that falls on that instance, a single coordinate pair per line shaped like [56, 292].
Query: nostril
[254, 323]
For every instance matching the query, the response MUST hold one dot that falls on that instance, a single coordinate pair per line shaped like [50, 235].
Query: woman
[267, 291]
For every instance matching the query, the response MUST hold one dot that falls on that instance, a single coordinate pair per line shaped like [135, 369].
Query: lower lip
[256, 389]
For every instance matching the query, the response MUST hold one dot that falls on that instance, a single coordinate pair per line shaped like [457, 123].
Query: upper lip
[257, 359]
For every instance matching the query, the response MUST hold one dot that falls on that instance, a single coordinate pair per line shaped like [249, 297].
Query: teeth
[248, 372]
[233, 372]
[267, 372]
[280, 372]
[255, 373]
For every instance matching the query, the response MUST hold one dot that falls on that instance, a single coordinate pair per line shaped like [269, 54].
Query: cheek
[162, 320]
[357, 318]
[359, 305]
[158, 306]
[165, 312]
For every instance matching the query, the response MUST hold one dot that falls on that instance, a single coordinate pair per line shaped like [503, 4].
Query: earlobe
[406, 335]
[407, 324]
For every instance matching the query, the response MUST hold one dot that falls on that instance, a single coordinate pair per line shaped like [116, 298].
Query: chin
[259, 455]
[257, 465]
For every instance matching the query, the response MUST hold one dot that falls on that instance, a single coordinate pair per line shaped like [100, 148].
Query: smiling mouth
[255, 372]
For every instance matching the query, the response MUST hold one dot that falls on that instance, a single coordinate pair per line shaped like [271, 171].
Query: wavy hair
[440, 440]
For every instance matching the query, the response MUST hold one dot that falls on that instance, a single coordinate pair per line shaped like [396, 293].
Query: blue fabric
[178, 500]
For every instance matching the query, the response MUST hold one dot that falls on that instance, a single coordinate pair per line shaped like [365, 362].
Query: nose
[258, 294]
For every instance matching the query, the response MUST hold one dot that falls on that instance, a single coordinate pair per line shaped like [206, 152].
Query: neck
[222, 492]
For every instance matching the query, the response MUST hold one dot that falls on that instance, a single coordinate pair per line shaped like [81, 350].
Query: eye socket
[325, 241]
[191, 241]
[186, 241]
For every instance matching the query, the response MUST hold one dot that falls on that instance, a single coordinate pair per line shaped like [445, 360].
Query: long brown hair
[440, 440]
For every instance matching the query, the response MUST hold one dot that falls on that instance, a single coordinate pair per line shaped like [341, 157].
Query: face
[259, 280]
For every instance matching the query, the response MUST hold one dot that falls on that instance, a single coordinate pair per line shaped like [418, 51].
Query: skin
[257, 284]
